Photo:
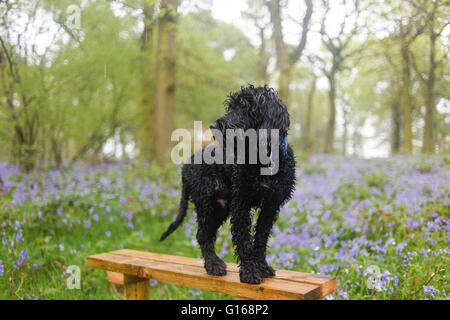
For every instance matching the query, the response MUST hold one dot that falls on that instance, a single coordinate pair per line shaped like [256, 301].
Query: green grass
[42, 239]
[376, 217]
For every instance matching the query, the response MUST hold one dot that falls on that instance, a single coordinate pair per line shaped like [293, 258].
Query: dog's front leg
[240, 231]
[266, 219]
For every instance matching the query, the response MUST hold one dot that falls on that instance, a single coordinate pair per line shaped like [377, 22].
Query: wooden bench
[133, 269]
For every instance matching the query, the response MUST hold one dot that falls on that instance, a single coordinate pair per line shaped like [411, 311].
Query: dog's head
[255, 108]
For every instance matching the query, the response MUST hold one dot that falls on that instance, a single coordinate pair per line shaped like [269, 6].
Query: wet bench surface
[134, 269]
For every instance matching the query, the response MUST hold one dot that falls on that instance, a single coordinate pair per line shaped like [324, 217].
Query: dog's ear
[276, 117]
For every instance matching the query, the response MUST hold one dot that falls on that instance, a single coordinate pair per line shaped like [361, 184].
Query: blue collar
[284, 146]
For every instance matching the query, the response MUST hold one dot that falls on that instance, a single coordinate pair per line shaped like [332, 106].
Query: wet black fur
[238, 190]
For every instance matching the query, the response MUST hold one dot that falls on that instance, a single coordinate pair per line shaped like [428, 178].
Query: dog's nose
[214, 125]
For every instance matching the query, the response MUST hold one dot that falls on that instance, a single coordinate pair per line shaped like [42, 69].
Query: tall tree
[338, 47]
[410, 23]
[287, 58]
[165, 79]
[405, 41]
[147, 83]
[346, 124]
[22, 81]
[436, 11]
[258, 16]
[396, 122]
[394, 88]
[306, 133]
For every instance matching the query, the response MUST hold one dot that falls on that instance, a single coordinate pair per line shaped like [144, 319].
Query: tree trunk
[357, 142]
[57, 152]
[165, 80]
[406, 100]
[146, 134]
[329, 138]
[281, 52]
[308, 121]
[284, 82]
[396, 123]
[25, 150]
[428, 141]
[123, 144]
[263, 58]
[345, 133]
[285, 60]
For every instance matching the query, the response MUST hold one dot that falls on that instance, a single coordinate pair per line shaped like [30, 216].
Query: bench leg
[139, 290]
[135, 288]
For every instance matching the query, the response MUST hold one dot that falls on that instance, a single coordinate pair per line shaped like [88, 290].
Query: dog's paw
[249, 274]
[265, 270]
[215, 267]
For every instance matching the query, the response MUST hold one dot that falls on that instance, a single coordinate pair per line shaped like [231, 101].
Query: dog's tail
[181, 214]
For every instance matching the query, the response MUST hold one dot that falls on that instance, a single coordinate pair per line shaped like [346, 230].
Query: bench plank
[196, 276]
[327, 284]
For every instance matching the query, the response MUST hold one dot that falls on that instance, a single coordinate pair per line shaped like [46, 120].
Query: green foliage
[66, 97]
[86, 88]
[204, 76]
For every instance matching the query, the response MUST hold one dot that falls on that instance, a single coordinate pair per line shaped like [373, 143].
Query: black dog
[237, 190]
